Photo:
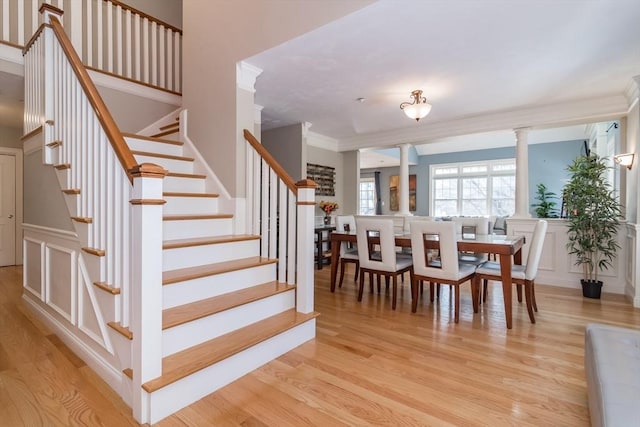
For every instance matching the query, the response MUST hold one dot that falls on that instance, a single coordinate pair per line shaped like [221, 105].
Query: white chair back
[345, 223]
[409, 219]
[446, 232]
[535, 250]
[386, 261]
[481, 224]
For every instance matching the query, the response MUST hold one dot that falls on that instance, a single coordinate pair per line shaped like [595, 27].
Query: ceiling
[471, 58]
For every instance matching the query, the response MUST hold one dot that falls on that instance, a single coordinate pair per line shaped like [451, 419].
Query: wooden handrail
[144, 15]
[273, 164]
[114, 135]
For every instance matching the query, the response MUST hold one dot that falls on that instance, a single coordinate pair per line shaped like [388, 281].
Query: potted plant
[545, 207]
[593, 215]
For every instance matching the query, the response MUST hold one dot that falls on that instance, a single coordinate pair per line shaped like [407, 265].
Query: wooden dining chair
[424, 236]
[520, 274]
[385, 262]
[348, 251]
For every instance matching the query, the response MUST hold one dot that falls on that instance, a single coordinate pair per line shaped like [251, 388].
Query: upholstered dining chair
[520, 274]
[477, 226]
[385, 262]
[348, 251]
[447, 270]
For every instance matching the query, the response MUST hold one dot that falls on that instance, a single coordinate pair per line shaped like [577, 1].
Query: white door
[7, 210]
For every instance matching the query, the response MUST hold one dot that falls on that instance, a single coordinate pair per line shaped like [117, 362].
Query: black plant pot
[591, 288]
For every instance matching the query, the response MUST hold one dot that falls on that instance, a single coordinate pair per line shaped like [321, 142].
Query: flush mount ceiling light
[624, 159]
[417, 109]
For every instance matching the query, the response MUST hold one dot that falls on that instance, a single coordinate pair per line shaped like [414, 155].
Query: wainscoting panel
[33, 279]
[60, 280]
[90, 318]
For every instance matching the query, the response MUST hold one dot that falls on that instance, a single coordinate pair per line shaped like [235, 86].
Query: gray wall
[10, 137]
[131, 112]
[547, 165]
[169, 11]
[285, 145]
[43, 200]
[351, 183]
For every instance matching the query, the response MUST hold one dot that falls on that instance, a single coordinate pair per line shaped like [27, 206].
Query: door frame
[17, 153]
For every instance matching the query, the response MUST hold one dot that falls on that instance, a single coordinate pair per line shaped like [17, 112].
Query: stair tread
[186, 175]
[179, 194]
[170, 125]
[189, 273]
[196, 310]
[201, 356]
[162, 156]
[165, 133]
[151, 138]
[190, 217]
[126, 332]
[200, 241]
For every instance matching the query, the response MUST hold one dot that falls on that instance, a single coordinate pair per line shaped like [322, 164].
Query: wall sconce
[624, 159]
[417, 109]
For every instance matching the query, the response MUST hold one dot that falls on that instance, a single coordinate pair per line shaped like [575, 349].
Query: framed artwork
[394, 201]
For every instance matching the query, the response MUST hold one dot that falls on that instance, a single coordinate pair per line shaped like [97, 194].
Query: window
[367, 196]
[473, 188]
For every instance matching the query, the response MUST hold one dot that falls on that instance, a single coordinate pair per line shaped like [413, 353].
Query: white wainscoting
[58, 290]
[557, 267]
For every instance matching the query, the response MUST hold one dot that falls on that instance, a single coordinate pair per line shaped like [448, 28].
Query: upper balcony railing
[109, 36]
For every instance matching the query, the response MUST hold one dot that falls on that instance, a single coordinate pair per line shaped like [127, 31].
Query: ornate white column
[522, 173]
[403, 191]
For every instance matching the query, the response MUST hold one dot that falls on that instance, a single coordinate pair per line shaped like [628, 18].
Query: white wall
[220, 34]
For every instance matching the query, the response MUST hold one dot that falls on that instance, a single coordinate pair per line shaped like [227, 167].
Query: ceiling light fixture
[417, 109]
[624, 159]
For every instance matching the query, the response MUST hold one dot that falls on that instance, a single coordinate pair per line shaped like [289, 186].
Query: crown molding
[246, 75]
[321, 141]
[633, 90]
[561, 114]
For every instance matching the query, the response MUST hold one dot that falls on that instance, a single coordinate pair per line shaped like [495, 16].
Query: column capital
[246, 75]
[405, 145]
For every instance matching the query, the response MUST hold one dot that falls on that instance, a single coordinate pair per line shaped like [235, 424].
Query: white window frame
[457, 173]
[366, 181]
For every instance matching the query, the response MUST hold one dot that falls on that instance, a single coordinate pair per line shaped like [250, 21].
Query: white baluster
[128, 56]
[273, 213]
[88, 57]
[5, 20]
[21, 38]
[282, 231]
[291, 240]
[119, 40]
[109, 37]
[249, 190]
[99, 33]
[264, 211]
[257, 161]
[34, 16]
[177, 62]
[161, 57]
[169, 85]
[145, 50]
[136, 43]
[153, 56]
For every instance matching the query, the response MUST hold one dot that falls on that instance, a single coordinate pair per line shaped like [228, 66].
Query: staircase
[224, 313]
[185, 314]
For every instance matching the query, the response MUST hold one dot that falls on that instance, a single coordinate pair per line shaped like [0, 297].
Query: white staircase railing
[109, 35]
[280, 211]
[116, 204]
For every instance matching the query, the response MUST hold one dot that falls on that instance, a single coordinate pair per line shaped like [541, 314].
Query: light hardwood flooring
[368, 365]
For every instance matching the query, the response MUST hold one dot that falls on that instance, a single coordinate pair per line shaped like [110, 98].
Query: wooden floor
[368, 365]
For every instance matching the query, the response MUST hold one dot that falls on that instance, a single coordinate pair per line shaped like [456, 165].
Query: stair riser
[190, 205]
[198, 331]
[206, 287]
[153, 147]
[192, 256]
[72, 201]
[172, 165]
[176, 396]
[185, 185]
[186, 229]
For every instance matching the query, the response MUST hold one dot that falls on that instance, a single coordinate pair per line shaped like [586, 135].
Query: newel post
[146, 281]
[306, 205]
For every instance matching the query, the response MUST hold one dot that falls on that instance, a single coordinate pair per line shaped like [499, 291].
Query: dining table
[505, 247]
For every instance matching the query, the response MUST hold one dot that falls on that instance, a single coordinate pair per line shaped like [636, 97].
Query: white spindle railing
[115, 38]
[281, 212]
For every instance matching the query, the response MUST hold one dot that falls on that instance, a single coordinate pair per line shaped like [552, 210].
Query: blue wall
[547, 165]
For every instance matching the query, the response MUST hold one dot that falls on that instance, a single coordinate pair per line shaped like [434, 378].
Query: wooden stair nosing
[206, 307]
[178, 194]
[162, 156]
[83, 219]
[213, 240]
[170, 125]
[201, 356]
[62, 166]
[54, 144]
[151, 138]
[192, 217]
[71, 191]
[186, 175]
[128, 372]
[107, 288]
[190, 273]
[126, 332]
[94, 251]
[165, 133]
